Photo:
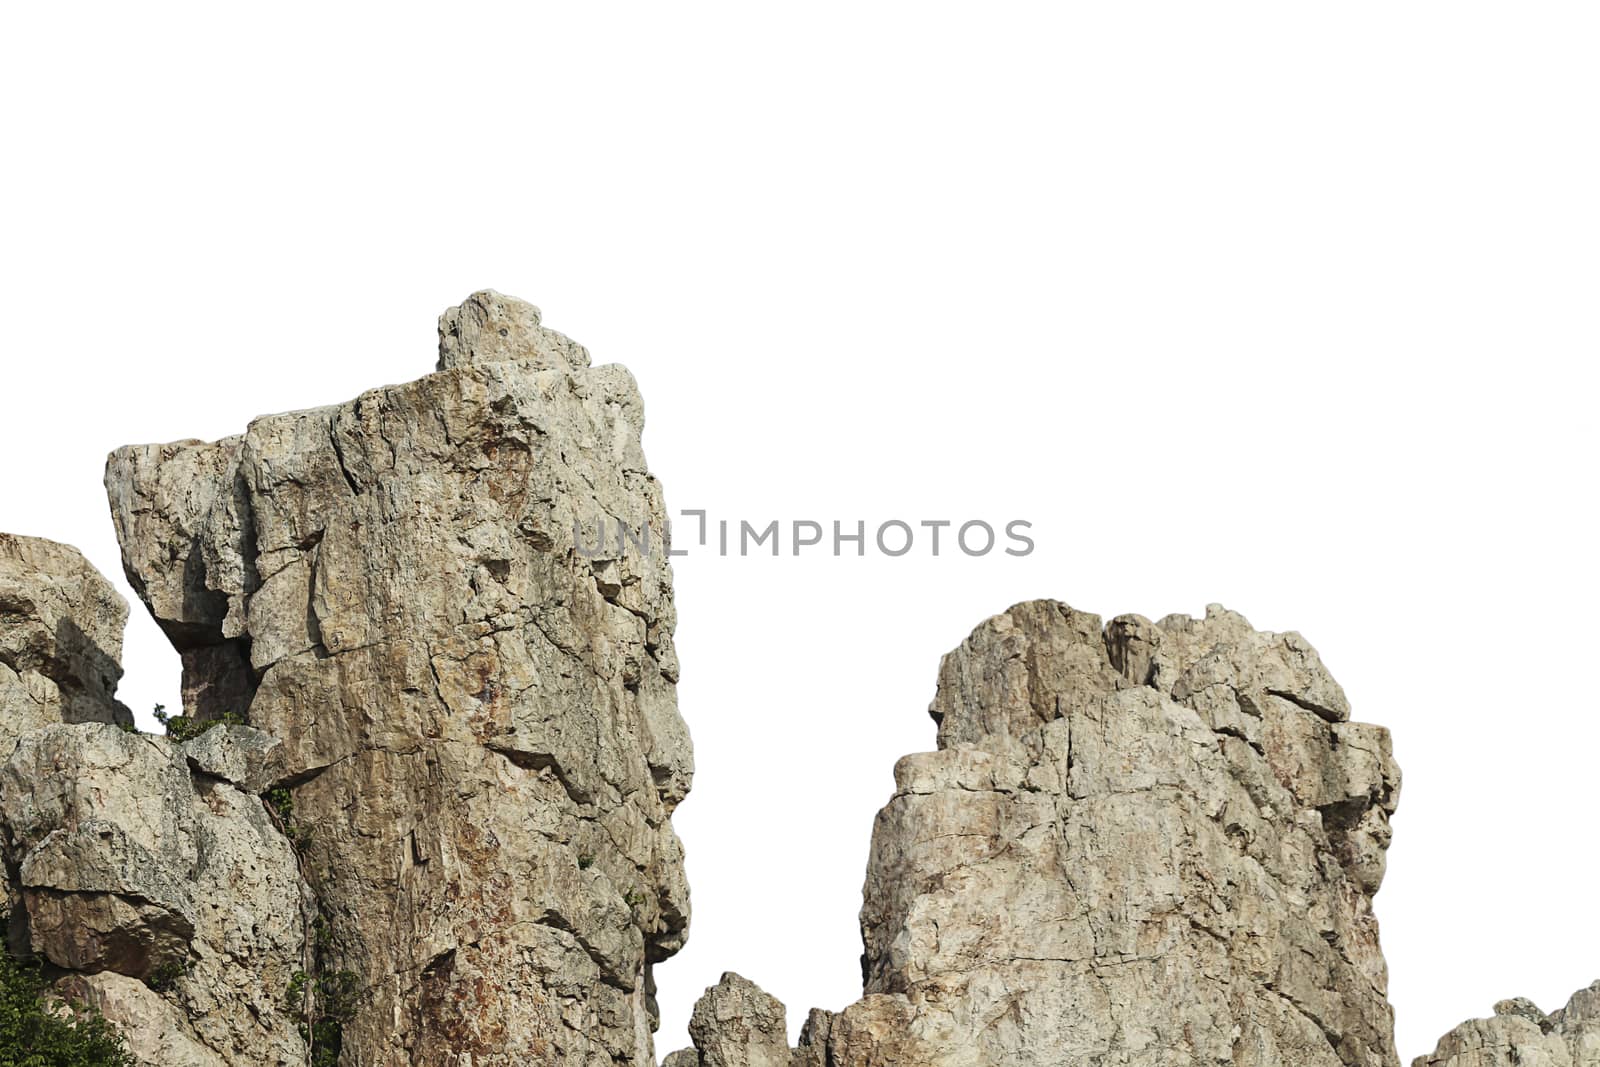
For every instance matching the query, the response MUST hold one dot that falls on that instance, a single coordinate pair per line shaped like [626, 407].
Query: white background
[1287, 306]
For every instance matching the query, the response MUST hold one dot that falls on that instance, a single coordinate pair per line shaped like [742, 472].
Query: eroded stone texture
[737, 1024]
[1520, 1035]
[1143, 844]
[60, 639]
[171, 902]
[128, 865]
[477, 720]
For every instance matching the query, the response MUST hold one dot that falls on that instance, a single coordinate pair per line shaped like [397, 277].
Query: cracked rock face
[737, 1024]
[1142, 843]
[164, 897]
[476, 719]
[137, 872]
[1520, 1035]
[60, 639]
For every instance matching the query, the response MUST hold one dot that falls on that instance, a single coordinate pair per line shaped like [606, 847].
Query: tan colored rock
[60, 639]
[238, 755]
[1520, 1035]
[154, 1029]
[127, 865]
[477, 720]
[737, 1024]
[172, 903]
[1143, 843]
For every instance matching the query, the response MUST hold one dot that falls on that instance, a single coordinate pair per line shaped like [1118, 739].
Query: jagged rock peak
[1142, 843]
[489, 327]
[1520, 1035]
[478, 722]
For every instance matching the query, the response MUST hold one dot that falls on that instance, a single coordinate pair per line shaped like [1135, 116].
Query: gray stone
[239, 755]
[127, 865]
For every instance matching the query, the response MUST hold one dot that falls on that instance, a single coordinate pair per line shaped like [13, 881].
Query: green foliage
[181, 728]
[165, 976]
[585, 862]
[34, 1035]
[281, 801]
[323, 1004]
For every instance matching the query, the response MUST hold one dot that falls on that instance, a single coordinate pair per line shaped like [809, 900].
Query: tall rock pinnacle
[480, 742]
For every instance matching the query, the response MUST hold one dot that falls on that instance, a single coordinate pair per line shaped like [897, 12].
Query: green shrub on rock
[36, 1033]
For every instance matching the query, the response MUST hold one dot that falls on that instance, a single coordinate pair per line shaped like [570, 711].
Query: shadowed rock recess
[419, 809]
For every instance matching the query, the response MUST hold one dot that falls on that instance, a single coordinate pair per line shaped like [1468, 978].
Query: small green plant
[182, 728]
[585, 862]
[281, 801]
[324, 1005]
[34, 1034]
[164, 977]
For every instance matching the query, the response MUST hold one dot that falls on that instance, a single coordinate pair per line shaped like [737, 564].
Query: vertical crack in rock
[479, 736]
[1138, 843]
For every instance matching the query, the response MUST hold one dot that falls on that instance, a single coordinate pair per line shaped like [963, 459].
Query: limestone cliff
[1141, 843]
[60, 639]
[419, 811]
[480, 743]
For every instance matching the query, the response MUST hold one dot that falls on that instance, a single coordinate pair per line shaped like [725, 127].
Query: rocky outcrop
[737, 1024]
[60, 639]
[135, 870]
[420, 808]
[161, 895]
[1141, 843]
[1520, 1035]
[469, 720]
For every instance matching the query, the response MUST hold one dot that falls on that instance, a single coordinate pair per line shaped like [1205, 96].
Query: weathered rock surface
[129, 865]
[475, 720]
[1520, 1035]
[60, 639]
[1142, 843]
[737, 1024]
[169, 900]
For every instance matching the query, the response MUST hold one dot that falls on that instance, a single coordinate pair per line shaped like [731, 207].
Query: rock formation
[419, 809]
[60, 639]
[1138, 843]
[1520, 1035]
[162, 894]
[477, 730]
